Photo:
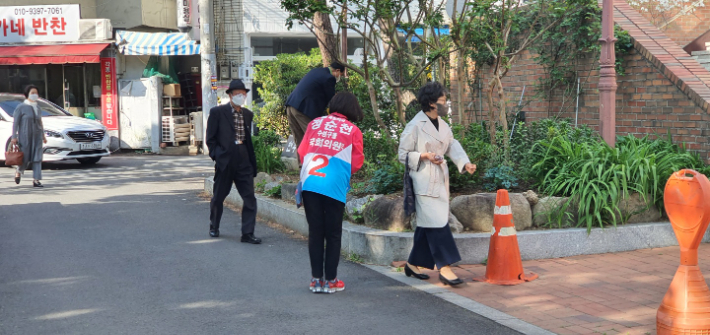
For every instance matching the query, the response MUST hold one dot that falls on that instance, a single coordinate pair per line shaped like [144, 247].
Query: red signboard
[109, 94]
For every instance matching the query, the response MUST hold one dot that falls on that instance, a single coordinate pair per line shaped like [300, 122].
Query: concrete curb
[383, 247]
[466, 303]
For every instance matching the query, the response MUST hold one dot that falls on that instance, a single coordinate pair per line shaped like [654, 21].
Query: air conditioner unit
[95, 29]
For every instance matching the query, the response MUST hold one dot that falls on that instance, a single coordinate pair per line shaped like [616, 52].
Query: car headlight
[51, 133]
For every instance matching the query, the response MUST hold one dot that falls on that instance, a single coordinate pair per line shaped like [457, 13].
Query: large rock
[269, 186]
[475, 212]
[532, 197]
[288, 192]
[547, 209]
[355, 207]
[455, 224]
[387, 214]
[262, 177]
[639, 211]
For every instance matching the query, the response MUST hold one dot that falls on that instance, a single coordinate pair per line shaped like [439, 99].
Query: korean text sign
[41, 23]
[109, 94]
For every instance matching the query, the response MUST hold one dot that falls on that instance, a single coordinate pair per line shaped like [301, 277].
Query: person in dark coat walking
[310, 98]
[230, 146]
[28, 134]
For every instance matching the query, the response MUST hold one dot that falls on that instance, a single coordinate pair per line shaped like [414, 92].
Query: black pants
[240, 173]
[325, 224]
[434, 246]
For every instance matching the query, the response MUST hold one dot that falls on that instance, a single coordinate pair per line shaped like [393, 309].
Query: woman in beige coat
[425, 141]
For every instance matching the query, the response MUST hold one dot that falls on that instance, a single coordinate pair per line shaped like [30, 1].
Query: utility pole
[208, 60]
[607, 76]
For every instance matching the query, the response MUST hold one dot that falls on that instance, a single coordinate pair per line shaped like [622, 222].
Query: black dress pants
[240, 173]
[325, 224]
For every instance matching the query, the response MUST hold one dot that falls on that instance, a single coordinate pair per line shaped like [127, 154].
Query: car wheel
[89, 160]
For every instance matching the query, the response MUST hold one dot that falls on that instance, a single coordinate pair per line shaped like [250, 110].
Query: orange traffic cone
[685, 308]
[504, 264]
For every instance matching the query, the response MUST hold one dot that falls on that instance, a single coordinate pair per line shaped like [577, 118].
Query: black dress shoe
[409, 273]
[17, 180]
[453, 282]
[249, 238]
[37, 184]
[214, 232]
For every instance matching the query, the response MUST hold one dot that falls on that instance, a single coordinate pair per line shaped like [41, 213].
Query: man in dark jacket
[230, 146]
[310, 98]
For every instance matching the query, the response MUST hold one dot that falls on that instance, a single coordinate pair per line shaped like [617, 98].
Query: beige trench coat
[431, 181]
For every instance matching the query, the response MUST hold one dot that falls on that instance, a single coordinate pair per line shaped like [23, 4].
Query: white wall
[131, 67]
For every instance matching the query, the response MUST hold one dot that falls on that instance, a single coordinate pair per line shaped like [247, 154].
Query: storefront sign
[184, 19]
[41, 23]
[109, 93]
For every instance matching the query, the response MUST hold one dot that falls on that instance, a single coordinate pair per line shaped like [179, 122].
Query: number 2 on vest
[314, 171]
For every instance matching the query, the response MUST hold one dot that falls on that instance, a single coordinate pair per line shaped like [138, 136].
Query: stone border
[383, 247]
[463, 302]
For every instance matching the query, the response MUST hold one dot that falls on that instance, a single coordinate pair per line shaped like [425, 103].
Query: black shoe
[17, 180]
[37, 184]
[214, 232]
[453, 282]
[249, 238]
[409, 273]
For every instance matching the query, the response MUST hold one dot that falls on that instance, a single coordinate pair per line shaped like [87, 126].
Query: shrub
[387, 179]
[267, 151]
[500, 177]
[527, 135]
[278, 78]
[274, 192]
[596, 176]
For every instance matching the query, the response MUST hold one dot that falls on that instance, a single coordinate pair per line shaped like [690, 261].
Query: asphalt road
[123, 248]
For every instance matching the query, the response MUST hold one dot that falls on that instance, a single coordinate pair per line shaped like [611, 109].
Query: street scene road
[123, 248]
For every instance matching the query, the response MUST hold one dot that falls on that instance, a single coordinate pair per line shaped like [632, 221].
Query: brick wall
[662, 89]
[686, 27]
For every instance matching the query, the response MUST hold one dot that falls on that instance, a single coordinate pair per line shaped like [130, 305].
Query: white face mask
[33, 97]
[337, 80]
[238, 99]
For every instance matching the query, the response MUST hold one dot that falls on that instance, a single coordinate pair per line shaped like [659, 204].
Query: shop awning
[51, 54]
[155, 44]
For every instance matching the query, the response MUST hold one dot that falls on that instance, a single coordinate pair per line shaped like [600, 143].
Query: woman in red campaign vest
[331, 151]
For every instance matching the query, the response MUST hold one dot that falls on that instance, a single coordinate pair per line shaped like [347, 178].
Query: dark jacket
[221, 135]
[313, 93]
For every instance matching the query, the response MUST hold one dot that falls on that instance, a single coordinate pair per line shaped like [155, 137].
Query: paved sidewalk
[592, 294]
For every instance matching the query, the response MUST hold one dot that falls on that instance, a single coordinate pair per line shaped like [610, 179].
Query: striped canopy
[155, 44]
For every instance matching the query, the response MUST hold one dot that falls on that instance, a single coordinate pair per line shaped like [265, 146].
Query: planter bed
[383, 247]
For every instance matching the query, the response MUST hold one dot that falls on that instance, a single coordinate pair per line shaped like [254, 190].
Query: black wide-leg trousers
[325, 226]
[240, 173]
[434, 246]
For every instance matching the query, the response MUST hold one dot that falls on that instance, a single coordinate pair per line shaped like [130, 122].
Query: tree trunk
[401, 113]
[491, 111]
[326, 38]
[373, 102]
[385, 28]
[503, 118]
[460, 82]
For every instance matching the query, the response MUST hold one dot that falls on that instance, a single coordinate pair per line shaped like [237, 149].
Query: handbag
[14, 156]
[409, 206]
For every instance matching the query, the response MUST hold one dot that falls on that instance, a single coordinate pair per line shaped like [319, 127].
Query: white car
[68, 136]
